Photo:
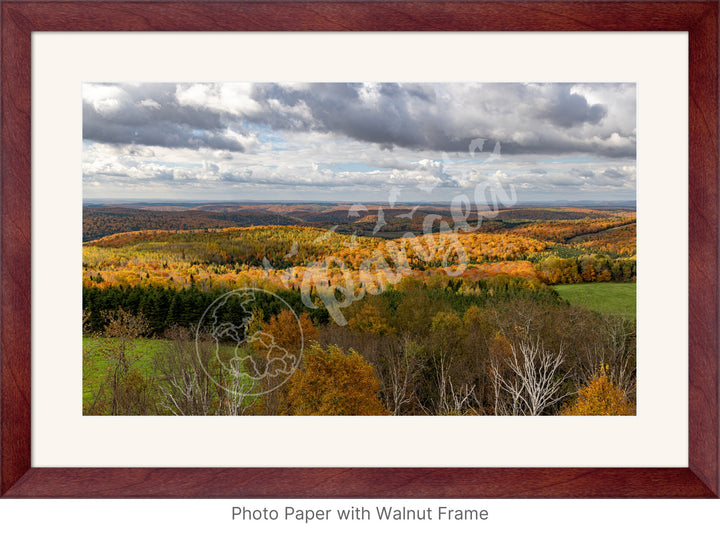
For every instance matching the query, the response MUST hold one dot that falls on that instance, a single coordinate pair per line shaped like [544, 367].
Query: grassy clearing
[97, 365]
[604, 297]
[143, 353]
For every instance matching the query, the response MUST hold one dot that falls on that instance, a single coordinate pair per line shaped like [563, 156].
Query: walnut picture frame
[19, 479]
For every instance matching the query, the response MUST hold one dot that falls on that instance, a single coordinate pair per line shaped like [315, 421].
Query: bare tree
[619, 357]
[453, 384]
[129, 390]
[463, 401]
[441, 363]
[402, 369]
[527, 383]
[186, 388]
[192, 382]
[608, 345]
[236, 397]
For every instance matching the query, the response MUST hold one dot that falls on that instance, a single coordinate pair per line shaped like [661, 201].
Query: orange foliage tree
[600, 397]
[285, 332]
[370, 319]
[289, 330]
[332, 382]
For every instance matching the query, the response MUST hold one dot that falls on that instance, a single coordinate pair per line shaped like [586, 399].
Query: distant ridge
[101, 220]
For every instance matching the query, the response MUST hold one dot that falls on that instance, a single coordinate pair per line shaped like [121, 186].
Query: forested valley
[473, 318]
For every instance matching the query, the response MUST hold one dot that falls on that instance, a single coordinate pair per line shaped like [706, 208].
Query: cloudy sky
[358, 142]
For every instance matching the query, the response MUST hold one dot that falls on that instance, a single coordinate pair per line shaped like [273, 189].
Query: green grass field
[603, 297]
[142, 352]
[97, 365]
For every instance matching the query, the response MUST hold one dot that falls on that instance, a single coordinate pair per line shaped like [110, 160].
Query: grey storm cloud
[567, 109]
[524, 118]
[612, 176]
[150, 114]
[614, 173]
[550, 118]
[395, 116]
[550, 145]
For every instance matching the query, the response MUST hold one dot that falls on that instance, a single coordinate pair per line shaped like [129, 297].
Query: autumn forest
[359, 248]
[385, 310]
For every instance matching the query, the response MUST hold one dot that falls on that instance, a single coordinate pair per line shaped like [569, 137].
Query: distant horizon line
[105, 200]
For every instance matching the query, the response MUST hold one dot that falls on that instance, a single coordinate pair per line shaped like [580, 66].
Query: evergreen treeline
[164, 308]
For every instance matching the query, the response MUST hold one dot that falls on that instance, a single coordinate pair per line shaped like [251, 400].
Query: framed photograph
[359, 249]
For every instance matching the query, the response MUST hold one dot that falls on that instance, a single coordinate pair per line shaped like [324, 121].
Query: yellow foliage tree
[369, 319]
[284, 332]
[600, 397]
[289, 330]
[332, 382]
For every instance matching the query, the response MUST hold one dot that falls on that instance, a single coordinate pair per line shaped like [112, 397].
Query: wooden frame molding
[19, 479]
